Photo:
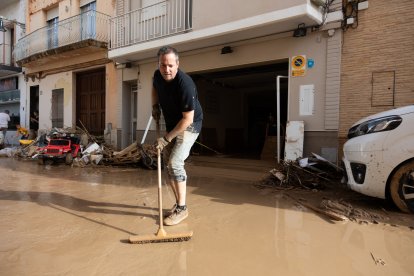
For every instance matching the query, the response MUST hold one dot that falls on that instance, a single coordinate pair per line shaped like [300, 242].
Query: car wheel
[402, 187]
[147, 161]
[40, 161]
[68, 159]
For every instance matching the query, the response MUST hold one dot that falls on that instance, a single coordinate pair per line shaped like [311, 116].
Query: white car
[379, 156]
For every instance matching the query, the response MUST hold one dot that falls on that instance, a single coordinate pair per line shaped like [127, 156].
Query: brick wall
[381, 45]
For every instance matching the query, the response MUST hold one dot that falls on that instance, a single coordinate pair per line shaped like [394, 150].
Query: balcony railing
[159, 20]
[88, 25]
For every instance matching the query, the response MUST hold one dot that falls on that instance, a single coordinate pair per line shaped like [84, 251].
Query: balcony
[196, 24]
[153, 22]
[7, 67]
[89, 29]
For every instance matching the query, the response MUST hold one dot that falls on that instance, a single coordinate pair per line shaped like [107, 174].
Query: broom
[161, 235]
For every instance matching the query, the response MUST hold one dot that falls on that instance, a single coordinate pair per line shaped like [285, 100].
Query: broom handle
[161, 228]
[159, 189]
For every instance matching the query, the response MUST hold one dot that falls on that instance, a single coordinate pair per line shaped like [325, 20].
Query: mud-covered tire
[402, 187]
[148, 162]
[40, 161]
[68, 159]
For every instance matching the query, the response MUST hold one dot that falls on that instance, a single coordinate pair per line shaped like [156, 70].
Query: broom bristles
[141, 239]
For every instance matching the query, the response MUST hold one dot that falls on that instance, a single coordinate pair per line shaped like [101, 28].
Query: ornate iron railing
[156, 21]
[88, 25]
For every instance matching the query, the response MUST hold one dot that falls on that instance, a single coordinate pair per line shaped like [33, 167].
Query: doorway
[134, 112]
[34, 105]
[57, 108]
[129, 114]
[90, 101]
[239, 107]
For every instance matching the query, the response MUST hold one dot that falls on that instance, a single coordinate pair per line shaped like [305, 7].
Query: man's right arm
[154, 96]
[156, 111]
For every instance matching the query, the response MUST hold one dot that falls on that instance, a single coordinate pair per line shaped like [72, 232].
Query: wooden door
[90, 101]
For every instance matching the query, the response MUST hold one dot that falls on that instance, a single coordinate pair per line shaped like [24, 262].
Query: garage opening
[240, 110]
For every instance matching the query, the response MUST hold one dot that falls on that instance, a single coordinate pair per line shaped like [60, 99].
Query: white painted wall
[63, 81]
[252, 52]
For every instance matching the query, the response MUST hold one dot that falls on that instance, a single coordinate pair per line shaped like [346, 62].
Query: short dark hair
[6, 111]
[167, 50]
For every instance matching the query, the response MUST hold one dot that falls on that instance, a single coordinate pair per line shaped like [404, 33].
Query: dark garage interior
[240, 110]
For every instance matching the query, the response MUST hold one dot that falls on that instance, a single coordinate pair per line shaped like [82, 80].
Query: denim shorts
[176, 152]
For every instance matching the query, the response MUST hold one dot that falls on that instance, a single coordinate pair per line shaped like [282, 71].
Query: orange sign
[299, 66]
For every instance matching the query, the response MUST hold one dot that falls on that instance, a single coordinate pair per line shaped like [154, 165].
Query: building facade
[90, 63]
[377, 61]
[235, 54]
[12, 83]
[67, 70]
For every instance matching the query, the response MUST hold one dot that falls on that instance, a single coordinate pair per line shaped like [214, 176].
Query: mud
[58, 220]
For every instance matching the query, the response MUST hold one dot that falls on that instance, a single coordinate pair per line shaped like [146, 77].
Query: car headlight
[375, 125]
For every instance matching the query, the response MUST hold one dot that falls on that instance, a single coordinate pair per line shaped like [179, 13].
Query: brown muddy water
[58, 220]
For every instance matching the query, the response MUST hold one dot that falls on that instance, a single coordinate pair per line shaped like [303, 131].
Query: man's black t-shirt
[177, 96]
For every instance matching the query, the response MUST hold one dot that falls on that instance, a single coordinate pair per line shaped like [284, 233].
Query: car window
[59, 142]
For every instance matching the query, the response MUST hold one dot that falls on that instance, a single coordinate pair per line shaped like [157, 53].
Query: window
[152, 10]
[52, 33]
[57, 108]
[88, 20]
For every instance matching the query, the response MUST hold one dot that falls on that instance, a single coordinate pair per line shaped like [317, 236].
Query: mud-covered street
[58, 220]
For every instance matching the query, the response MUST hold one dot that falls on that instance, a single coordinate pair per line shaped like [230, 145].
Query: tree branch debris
[94, 150]
[314, 174]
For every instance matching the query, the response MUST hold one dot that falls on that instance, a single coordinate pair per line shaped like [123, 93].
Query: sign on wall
[298, 66]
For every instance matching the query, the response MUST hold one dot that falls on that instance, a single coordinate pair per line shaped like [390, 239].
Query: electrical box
[306, 99]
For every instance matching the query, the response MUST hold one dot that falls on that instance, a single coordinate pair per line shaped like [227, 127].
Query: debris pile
[347, 210]
[8, 152]
[308, 173]
[315, 173]
[134, 154]
[92, 150]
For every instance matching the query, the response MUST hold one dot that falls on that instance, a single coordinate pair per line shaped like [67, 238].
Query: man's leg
[177, 174]
[182, 192]
[173, 185]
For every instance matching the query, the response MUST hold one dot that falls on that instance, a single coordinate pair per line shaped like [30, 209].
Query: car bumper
[51, 156]
[363, 161]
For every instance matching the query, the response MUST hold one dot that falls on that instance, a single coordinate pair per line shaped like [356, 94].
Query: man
[34, 123]
[4, 122]
[175, 93]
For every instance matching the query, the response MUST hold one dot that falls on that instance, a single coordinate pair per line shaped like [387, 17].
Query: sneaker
[176, 217]
[170, 212]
